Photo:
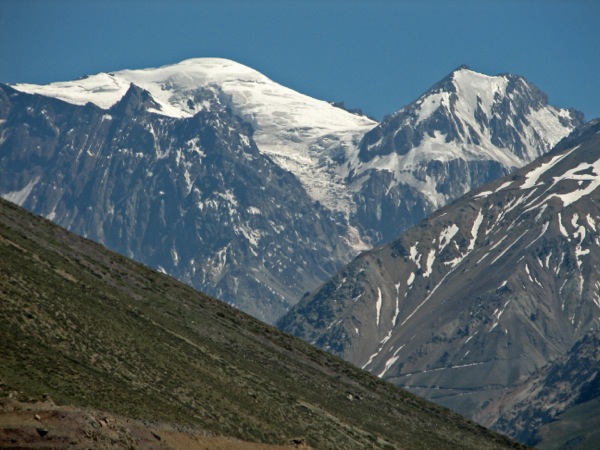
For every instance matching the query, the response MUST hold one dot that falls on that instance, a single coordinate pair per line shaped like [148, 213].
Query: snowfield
[299, 132]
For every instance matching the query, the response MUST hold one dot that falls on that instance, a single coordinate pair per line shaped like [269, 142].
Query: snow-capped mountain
[478, 126]
[243, 188]
[480, 295]
[301, 134]
[379, 178]
[191, 196]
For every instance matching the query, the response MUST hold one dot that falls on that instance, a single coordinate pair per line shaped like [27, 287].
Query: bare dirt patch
[45, 425]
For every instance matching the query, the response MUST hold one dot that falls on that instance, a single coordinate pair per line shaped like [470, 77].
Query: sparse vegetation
[92, 329]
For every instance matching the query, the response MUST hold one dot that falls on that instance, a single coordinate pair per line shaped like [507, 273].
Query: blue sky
[377, 55]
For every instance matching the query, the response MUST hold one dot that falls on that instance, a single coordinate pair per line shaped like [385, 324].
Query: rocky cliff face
[192, 197]
[476, 298]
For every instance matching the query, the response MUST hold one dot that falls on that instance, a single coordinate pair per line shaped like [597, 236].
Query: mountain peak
[195, 72]
[167, 84]
[476, 112]
[461, 67]
[448, 83]
[478, 125]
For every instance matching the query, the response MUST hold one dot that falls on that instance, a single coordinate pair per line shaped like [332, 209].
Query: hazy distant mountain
[480, 295]
[87, 327]
[248, 190]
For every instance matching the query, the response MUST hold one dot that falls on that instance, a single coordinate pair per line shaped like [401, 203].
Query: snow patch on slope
[479, 90]
[19, 197]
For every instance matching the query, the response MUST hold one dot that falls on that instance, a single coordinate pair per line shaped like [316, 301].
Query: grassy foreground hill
[90, 328]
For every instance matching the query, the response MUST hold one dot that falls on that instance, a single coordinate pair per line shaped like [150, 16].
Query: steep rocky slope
[559, 405]
[190, 196]
[481, 294]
